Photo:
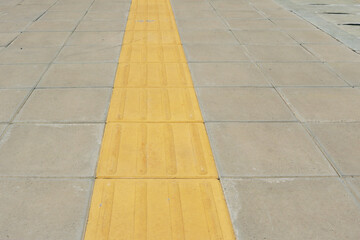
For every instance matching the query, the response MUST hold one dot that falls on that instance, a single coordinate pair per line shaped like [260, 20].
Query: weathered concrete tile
[106, 16]
[311, 36]
[354, 184]
[55, 150]
[242, 104]
[350, 72]
[266, 149]
[10, 101]
[264, 37]
[2, 128]
[341, 141]
[200, 24]
[28, 55]
[295, 24]
[62, 16]
[279, 53]
[52, 26]
[227, 74]
[43, 209]
[324, 104]
[104, 26]
[66, 105]
[207, 36]
[215, 52]
[7, 27]
[87, 54]
[191, 5]
[333, 53]
[110, 6]
[191, 14]
[245, 24]
[41, 39]
[301, 74]
[20, 76]
[232, 5]
[240, 14]
[71, 6]
[281, 14]
[79, 75]
[6, 38]
[292, 209]
[96, 38]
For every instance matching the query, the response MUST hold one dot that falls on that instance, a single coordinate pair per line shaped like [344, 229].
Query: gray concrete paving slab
[50, 150]
[284, 53]
[340, 141]
[79, 75]
[19, 55]
[324, 104]
[88, 54]
[301, 74]
[10, 101]
[21, 76]
[66, 105]
[96, 38]
[274, 37]
[350, 72]
[266, 150]
[242, 104]
[2, 128]
[227, 74]
[215, 52]
[333, 53]
[291, 208]
[40, 39]
[207, 36]
[43, 209]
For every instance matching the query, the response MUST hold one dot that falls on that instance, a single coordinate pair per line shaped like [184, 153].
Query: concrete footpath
[280, 100]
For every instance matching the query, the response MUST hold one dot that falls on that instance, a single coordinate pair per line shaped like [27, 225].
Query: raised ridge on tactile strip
[158, 210]
[156, 150]
[154, 105]
[151, 75]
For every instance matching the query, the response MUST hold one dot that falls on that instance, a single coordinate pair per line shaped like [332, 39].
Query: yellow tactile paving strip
[156, 177]
[160, 150]
[158, 210]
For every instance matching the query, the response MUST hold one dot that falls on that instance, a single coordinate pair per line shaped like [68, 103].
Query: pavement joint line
[146, 131]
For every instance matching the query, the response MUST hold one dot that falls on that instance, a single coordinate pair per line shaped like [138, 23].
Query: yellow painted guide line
[156, 178]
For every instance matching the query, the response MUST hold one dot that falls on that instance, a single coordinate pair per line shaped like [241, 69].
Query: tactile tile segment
[158, 209]
[154, 105]
[153, 75]
[156, 150]
[152, 53]
[151, 6]
[151, 37]
[151, 21]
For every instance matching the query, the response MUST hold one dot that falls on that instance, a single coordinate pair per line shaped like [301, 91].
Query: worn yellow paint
[162, 150]
[156, 177]
[161, 209]
[154, 105]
